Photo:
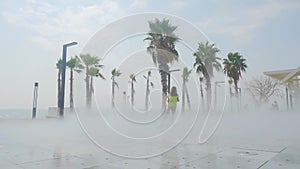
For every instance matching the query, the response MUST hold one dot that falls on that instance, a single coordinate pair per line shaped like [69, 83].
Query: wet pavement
[271, 141]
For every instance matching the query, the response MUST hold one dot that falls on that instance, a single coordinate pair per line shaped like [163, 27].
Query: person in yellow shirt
[173, 98]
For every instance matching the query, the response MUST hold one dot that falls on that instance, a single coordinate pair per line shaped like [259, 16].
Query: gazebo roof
[284, 75]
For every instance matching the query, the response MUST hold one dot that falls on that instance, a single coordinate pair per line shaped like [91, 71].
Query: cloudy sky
[265, 32]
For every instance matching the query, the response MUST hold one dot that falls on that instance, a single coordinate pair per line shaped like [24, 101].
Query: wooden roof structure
[285, 76]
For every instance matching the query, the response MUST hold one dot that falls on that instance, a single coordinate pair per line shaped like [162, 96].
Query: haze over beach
[264, 32]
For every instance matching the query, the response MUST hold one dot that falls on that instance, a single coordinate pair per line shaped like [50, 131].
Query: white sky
[265, 32]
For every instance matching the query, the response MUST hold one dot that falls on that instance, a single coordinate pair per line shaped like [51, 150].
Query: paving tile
[98, 158]
[58, 163]
[289, 158]
[7, 164]
[231, 158]
[19, 154]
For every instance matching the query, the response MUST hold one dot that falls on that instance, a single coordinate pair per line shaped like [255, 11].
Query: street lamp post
[63, 77]
[169, 78]
[216, 83]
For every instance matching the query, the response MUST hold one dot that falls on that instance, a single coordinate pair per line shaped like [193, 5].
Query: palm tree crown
[74, 64]
[162, 41]
[234, 65]
[206, 58]
[92, 66]
[186, 73]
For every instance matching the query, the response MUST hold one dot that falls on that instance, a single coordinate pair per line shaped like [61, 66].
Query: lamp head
[70, 44]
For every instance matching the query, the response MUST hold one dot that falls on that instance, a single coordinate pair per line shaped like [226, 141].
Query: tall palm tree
[205, 62]
[185, 78]
[114, 73]
[148, 83]
[234, 65]
[162, 49]
[59, 68]
[74, 65]
[91, 64]
[132, 80]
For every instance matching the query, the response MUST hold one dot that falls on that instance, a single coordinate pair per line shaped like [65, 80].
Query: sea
[22, 113]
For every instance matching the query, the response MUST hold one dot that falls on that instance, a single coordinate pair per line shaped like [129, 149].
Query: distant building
[291, 79]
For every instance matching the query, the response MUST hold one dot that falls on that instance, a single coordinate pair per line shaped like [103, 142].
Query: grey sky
[265, 32]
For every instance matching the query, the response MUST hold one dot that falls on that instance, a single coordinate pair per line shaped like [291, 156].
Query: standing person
[172, 100]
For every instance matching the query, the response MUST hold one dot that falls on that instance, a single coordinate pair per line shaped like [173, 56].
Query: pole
[63, 78]
[35, 96]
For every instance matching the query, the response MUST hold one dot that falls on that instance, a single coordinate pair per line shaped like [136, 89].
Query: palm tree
[92, 66]
[74, 65]
[205, 62]
[162, 49]
[59, 68]
[132, 80]
[185, 78]
[114, 73]
[148, 89]
[233, 67]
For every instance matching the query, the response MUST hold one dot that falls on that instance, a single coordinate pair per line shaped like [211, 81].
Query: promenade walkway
[246, 141]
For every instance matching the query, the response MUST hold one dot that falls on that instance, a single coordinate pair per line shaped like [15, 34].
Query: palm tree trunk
[71, 91]
[87, 87]
[202, 97]
[187, 97]
[91, 92]
[147, 94]
[113, 93]
[236, 86]
[164, 75]
[208, 89]
[183, 96]
[58, 89]
[132, 94]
